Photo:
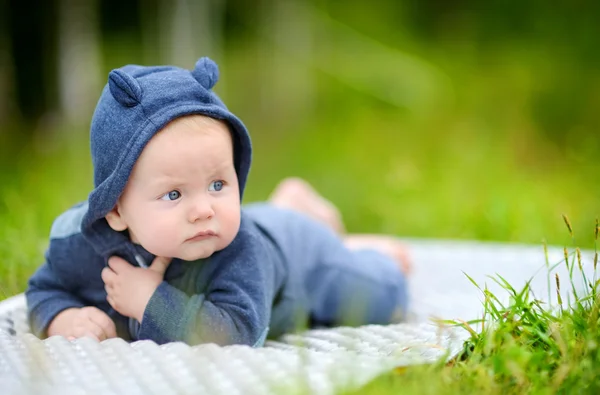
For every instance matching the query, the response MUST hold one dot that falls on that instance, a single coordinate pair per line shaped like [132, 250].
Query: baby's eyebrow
[163, 181]
[222, 165]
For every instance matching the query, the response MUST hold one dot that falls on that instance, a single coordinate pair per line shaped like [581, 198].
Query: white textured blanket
[316, 362]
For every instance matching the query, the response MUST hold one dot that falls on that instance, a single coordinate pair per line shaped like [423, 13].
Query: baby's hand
[129, 288]
[83, 322]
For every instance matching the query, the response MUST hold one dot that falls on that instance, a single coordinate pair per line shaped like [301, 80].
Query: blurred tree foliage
[561, 38]
[477, 119]
[564, 33]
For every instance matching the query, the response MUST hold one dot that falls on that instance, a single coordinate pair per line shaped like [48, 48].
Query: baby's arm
[54, 309]
[235, 307]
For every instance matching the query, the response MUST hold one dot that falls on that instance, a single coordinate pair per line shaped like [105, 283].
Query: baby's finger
[96, 318]
[107, 275]
[160, 264]
[93, 335]
[98, 331]
[111, 301]
[90, 330]
[107, 325]
[117, 264]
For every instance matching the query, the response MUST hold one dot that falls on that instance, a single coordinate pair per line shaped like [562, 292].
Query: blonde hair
[198, 120]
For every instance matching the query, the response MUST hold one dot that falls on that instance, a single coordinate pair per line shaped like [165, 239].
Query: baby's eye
[173, 195]
[216, 186]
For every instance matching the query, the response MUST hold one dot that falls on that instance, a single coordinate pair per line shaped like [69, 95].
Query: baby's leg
[354, 287]
[388, 245]
[337, 285]
[298, 195]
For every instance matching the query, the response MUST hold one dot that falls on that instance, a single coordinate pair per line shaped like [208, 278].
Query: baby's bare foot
[297, 194]
[388, 245]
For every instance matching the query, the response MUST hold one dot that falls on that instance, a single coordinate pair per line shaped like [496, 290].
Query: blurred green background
[439, 119]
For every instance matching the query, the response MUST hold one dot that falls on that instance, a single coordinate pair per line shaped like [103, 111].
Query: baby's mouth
[202, 235]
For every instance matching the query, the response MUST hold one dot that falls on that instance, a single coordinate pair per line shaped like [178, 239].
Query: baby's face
[182, 199]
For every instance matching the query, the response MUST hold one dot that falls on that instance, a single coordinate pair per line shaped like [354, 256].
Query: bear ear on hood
[206, 72]
[124, 88]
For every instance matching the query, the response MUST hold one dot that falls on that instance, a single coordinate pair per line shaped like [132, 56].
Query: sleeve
[234, 309]
[52, 287]
[47, 295]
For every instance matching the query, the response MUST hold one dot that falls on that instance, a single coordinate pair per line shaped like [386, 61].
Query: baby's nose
[201, 210]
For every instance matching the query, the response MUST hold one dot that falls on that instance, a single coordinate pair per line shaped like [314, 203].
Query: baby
[162, 249]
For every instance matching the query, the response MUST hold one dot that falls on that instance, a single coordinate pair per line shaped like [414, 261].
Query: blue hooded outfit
[282, 271]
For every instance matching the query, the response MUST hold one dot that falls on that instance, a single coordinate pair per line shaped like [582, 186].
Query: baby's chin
[190, 252]
[195, 255]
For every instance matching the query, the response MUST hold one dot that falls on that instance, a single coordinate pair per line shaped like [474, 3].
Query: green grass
[522, 347]
[46, 177]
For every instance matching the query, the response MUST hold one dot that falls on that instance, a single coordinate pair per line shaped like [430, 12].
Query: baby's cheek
[167, 240]
[158, 238]
[230, 227]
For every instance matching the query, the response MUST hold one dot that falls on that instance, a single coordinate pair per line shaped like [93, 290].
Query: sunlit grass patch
[45, 178]
[523, 346]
